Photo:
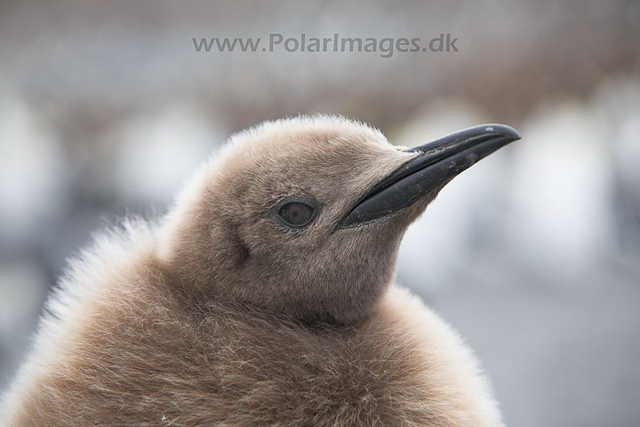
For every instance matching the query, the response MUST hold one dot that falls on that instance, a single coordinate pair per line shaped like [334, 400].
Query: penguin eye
[296, 214]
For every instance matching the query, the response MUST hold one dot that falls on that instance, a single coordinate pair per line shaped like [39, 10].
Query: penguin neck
[339, 285]
[209, 289]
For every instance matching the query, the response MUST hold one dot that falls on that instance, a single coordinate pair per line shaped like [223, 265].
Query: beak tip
[503, 130]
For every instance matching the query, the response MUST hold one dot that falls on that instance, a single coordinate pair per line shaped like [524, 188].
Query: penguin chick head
[304, 216]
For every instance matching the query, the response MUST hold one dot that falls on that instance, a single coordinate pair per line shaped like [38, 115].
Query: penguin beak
[437, 163]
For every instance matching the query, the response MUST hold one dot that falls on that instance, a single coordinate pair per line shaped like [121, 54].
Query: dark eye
[296, 214]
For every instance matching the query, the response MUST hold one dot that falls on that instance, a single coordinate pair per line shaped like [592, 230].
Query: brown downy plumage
[256, 302]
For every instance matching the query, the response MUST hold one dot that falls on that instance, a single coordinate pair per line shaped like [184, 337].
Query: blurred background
[533, 255]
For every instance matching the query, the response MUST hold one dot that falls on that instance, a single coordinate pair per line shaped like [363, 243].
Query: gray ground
[556, 357]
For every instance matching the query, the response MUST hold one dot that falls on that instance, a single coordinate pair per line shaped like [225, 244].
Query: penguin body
[256, 301]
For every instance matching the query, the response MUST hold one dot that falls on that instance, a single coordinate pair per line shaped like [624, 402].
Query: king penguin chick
[265, 297]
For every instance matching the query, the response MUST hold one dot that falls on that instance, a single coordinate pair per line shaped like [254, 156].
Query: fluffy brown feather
[216, 316]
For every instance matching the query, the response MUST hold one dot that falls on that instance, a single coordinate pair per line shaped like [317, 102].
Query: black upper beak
[439, 162]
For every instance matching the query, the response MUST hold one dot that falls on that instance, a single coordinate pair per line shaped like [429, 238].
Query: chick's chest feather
[151, 358]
